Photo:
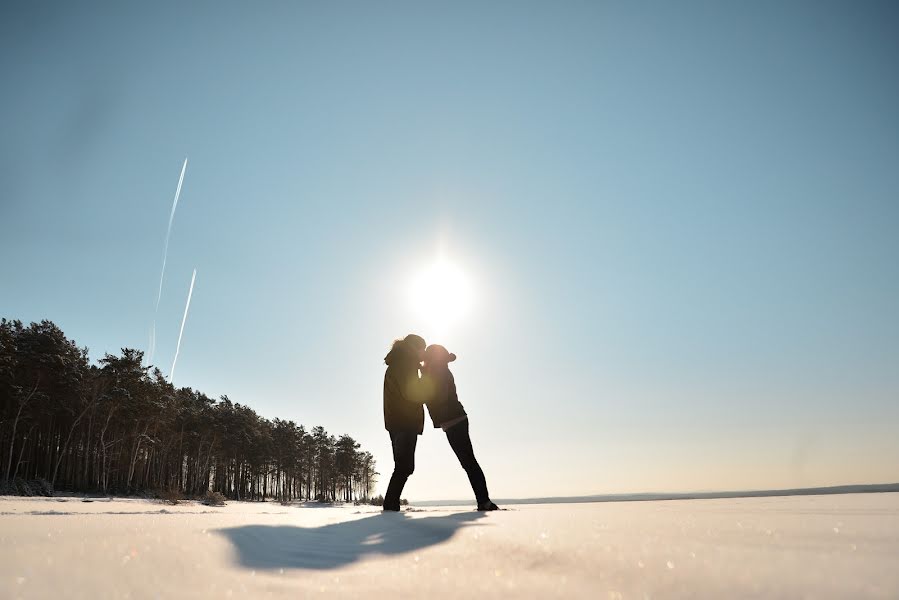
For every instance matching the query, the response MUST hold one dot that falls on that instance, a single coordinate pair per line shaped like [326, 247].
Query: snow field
[837, 546]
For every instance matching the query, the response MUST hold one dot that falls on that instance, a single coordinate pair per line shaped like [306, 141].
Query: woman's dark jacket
[403, 396]
[443, 402]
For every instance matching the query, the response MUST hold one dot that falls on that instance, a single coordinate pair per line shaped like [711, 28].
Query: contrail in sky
[168, 233]
[165, 255]
[183, 320]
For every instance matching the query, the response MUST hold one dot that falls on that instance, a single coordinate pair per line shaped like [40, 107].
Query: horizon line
[708, 495]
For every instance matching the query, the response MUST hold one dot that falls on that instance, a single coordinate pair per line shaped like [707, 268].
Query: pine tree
[120, 427]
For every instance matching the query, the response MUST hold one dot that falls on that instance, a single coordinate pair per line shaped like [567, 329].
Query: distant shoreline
[815, 491]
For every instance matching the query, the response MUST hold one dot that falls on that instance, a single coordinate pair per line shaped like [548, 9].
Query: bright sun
[441, 294]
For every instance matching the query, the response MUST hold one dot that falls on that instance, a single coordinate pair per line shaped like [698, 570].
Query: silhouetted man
[404, 416]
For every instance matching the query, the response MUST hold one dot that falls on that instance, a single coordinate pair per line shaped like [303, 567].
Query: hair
[407, 343]
[417, 340]
[436, 354]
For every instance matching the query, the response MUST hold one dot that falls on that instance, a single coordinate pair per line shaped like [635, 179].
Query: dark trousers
[461, 444]
[403, 465]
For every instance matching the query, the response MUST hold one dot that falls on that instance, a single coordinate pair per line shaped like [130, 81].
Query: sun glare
[441, 295]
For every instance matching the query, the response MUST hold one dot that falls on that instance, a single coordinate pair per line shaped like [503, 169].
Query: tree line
[118, 427]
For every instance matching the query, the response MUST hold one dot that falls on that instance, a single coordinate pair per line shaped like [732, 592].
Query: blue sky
[678, 221]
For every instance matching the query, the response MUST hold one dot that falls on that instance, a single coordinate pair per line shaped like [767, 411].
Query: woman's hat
[437, 353]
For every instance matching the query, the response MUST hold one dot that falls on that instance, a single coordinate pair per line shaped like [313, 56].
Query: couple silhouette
[405, 394]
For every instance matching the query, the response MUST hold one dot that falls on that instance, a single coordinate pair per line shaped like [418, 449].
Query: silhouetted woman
[404, 416]
[447, 413]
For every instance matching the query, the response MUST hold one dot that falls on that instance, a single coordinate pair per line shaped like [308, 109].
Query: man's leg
[461, 444]
[404, 464]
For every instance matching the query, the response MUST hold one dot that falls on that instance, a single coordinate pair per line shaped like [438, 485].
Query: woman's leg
[404, 465]
[460, 442]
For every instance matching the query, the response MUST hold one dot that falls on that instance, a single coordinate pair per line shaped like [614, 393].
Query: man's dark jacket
[403, 396]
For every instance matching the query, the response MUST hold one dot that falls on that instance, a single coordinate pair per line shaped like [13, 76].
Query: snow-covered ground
[796, 547]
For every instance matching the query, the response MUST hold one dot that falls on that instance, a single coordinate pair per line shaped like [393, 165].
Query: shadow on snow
[338, 544]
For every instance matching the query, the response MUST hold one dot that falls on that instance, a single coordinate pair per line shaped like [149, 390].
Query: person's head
[416, 344]
[437, 356]
[410, 349]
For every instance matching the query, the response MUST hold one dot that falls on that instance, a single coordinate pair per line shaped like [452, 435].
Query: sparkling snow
[842, 546]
